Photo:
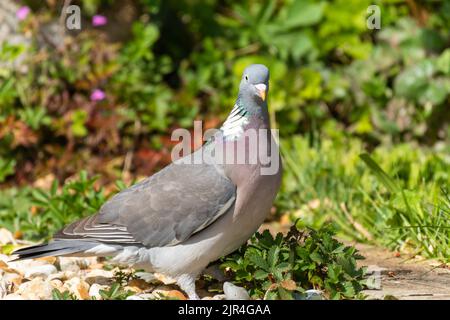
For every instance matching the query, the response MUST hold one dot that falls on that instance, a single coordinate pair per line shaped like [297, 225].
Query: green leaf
[285, 294]
[79, 118]
[382, 176]
[303, 13]
[54, 187]
[8, 248]
[436, 92]
[413, 81]
[272, 256]
[302, 253]
[258, 260]
[316, 257]
[56, 295]
[40, 196]
[66, 295]
[443, 62]
[231, 264]
[349, 289]
[6, 168]
[266, 11]
[120, 185]
[260, 275]
[284, 266]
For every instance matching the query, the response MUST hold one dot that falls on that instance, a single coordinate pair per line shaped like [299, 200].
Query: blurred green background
[104, 100]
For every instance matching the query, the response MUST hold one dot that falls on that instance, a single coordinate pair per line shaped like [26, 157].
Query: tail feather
[54, 248]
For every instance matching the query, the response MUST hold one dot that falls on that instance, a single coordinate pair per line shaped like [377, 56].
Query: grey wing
[162, 210]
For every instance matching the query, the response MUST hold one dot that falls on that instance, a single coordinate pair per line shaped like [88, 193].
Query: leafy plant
[413, 223]
[122, 277]
[329, 181]
[115, 292]
[6, 168]
[65, 295]
[285, 266]
[38, 213]
[77, 198]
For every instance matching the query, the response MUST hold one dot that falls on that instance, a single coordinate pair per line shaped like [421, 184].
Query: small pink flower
[99, 20]
[97, 95]
[22, 13]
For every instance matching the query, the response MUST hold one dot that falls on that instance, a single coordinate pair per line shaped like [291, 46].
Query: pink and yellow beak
[261, 88]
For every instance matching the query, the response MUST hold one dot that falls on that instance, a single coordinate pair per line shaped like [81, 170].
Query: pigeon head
[254, 84]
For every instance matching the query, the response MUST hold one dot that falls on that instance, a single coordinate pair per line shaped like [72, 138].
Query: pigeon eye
[246, 78]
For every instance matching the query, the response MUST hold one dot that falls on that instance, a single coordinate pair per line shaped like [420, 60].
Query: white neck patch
[233, 127]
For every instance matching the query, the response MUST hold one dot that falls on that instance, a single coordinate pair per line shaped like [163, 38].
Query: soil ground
[405, 278]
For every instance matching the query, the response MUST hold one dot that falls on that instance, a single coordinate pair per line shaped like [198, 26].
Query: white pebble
[40, 271]
[94, 290]
[233, 292]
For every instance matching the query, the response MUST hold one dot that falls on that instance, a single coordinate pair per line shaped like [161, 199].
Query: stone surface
[40, 271]
[147, 296]
[311, 294]
[5, 268]
[94, 290]
[96, 266]
[141, 284]
[68, 264]
[135, 297]
[132, 289]
[233, 292]
[6, 237]
[216, 297]
[57, 284]
[48, 260]
[99, 276]
[13, 296]
[404, 277]
[75, 264]
[24, 265]
[164, 279]
[78, 287]
[36, 289]
[14, 278]
[168, 294]
[4, 288]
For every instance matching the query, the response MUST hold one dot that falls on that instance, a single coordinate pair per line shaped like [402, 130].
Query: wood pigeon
[190, 213]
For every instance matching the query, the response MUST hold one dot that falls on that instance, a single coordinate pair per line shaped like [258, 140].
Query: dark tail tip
[55, 248]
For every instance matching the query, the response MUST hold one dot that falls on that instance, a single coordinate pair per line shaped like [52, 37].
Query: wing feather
[162, 210]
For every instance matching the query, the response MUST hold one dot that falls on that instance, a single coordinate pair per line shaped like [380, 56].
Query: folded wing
[162, 210]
